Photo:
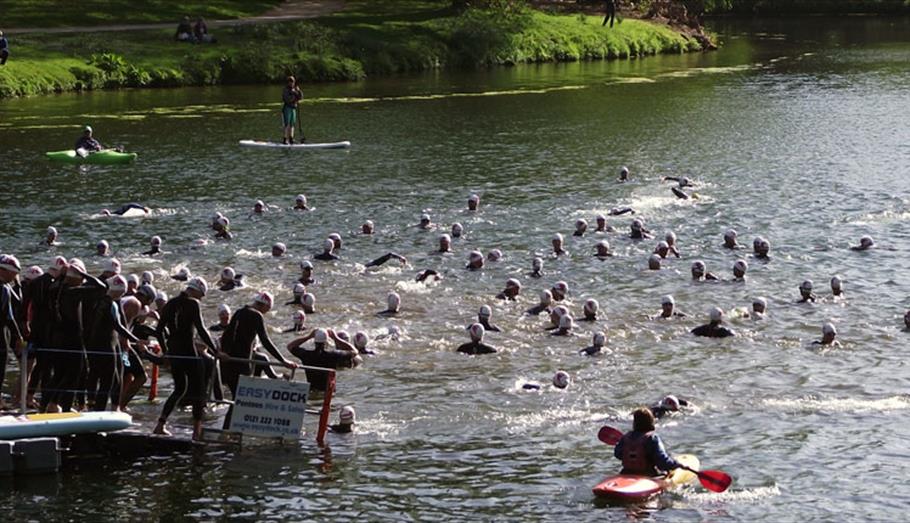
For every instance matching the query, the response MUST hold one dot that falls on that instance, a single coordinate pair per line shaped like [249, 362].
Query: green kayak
[107, 157]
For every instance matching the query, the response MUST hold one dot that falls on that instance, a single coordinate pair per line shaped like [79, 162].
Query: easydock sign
[269, 408]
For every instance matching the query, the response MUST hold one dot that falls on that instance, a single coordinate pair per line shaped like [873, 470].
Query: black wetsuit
[326, 256]
[155, 250]
[238, 339]
[611, 12]
[38, 304]
[660, 412]
[9, 330]
[128, 206]
[476, 347]
[712, 330]
[384, 258]
[319, 357]
[104, 336]
[181, 317]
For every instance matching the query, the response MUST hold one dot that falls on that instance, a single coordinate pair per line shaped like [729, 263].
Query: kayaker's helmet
[561, 379]
[670, 403]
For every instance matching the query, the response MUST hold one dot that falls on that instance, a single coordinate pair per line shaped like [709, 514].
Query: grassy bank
[803, 7]
[364, 39]
[60, 13]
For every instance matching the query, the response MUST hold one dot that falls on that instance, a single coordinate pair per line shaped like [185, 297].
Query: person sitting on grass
[184, 31]
[201, 32]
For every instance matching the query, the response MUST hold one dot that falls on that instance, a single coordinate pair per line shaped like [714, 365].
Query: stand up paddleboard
[62, 424]
[276, 145]
[106, 157]
[629, 488]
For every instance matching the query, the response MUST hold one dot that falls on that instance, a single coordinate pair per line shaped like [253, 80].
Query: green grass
[364, 39]
[23, 14]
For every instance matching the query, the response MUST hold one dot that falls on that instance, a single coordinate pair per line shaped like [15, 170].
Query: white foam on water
[840, 405]
[734, 495]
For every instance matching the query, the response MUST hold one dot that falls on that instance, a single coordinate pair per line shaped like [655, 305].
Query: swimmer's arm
[342, 345]
[267, 342]
[293, 344]
[672, 178]
[200, 328]
[386, 257]
[167, 316]
[119, 326]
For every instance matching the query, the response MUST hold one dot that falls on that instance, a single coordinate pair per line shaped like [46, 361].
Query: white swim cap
[300, 198]
[561, 286]
[670, 403]
[591, 305]
[328, 245]
[624, 169]
[228, 273]
[199, 285]
[424, 218]
[111, 265]
[557, 237]
[445, 238]
[485, 311]
[637, 224]
[561, 379]
[836, 282]
[604, 244]
[580, 223]
[757, 241]
[513, 282]
[476, 331]
[760, 301]
[156, 241]
[560, 310]
[224, 309]
[866, 241]
[457, 229]
[265, 298]
[662, 245]
[305, 265]
[741, 265]
[103, 243]
[161, 295]
[731, 233]
[259, 203]
[116, 283]
[346, 415]
[183, 272]
[87, 128]
[309, 299]
[654, 259]
[147, 277]
[667, 299]
[698, 264]
[368, 223]
[216, 216]
[32, 272]
[59, 263]
[599, 339]
[147, 291]
[52, 231]
[537, 263]
[343, 335]
[474, 198]
[475, 255]
[299, 289]
[132, 279]
[321, 336]
[600, 218]
[765, 244]
[494, 255]
[74, 262]
[223, 221]
[828, 328]
[335, 237]
[670, 237]
[565, 321]
[299, 316]
[806, 285]
[279, 246]
[394, 301]
[546, 297]
[716, 313]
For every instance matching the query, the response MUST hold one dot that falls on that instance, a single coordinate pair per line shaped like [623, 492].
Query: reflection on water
[795, 131]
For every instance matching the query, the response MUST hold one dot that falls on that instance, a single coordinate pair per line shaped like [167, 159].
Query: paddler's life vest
[635, 458]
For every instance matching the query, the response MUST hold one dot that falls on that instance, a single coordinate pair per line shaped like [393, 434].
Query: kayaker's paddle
[713, 480]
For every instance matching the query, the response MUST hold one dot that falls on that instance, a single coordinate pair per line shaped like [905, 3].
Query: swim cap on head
[111, 265]
[559, 311]
[698, 265]
[600, 218]
[368, 224]
[335, 237]
[280, 247]
[52, 231]
[32, 272]
[305, 265]
[147, 277]
[476, 331]
[75, 263]
[662, 245]
[513, 282]
[223, 221]
[132, 279]
[546, 297]
[836, 282]
[328, 245]
[300, 198]
[361, 340]
[866, 240]
[299, 289]
[670, 403]
[537, 263]
[765, 244]
[760, 301]
[599, 339]
[561, 379]
[757, 241]
[183, 272]
[321, 336]
[581, 223]
[87, 128]
[424, 218]
[457, 229]
[309, 299]
[161, 296]
[156, 240]
[565, 321]
[654, 260]
[393, 300]
[103, 245]
[667, 299]
[299, 316]
[637, 224]
[474, 198]
[716, 313]
[485, 311]
[343, 335]
[259, 203]
[624, 169]
[670, 237]
[591, 305]
[346, 415]
[806, 285]
[604, 244]
[116, 283]
[557, 237]
[224, 309]
[216, 216]
[57, 264]
[494, 255]
[265, 298]
[828, 328]
[445, 238]
[147, 291]
[199, 285]
[731, 233]
[228, 273]
[561, 286]
[741, 265]
[475, 256]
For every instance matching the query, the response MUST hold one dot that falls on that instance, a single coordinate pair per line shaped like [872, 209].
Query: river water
[798, 131]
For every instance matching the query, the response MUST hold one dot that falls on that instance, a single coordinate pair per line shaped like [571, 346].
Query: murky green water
[796, 130]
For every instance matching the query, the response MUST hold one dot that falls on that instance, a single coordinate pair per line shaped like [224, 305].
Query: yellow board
[53, 416]
[681, 477]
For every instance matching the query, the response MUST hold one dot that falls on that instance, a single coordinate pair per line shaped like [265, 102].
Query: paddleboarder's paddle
[713, 480]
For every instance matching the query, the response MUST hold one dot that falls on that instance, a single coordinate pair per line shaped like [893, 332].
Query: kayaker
[476, 345]
[291, 96]
[668, 405]
[641, 450]
[714, 328]
[87, 143]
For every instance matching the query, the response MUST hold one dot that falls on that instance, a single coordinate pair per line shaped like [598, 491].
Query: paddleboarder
[291, 96]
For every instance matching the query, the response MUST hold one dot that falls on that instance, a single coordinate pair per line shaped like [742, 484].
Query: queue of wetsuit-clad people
[87, 338]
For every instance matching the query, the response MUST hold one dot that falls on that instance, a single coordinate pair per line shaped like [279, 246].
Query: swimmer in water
[230, 280]
[670, 239]
[345, 423]
[907, 321]
[597, 345]
[829, 336]
[536, 268]
[560, 381]
[805, 292]
[662, 249]
[309, 303]
[602, 226]
[590, 310]
[654, 262]
[224, 317]
[279, 249]
[865, 243]
[681, 194]
[638, 231]
[386, 257]
[559, 290]
[476, 345]
[258, 207]
[730, 239]
[699, 272]
[475, 261]
[484, 316]
[155, 247]
[602, 250]
[327, 254]
[425, 222]
[668, 309]
[306, 273]
[557, 245]
[367, 227]
[300, 203]
[298, 320]
[555, 316]
[299, 291]
[361, 342]
[714, 328]
[756, 245]
[759, 306]
[457, 230]
[123, 209]
[102, 248]
[473, 202]
[50, 239]
[223, 229]
[445, 244]
[667, 405]
[393, 305]
[494, 256]
[183, 274]
[739, 270]
[581, 226]
[336, 239]
[763, 251]
[681, 180]
[565, 326]
[428, 273]
[546, 299]
[624, 174]
[512, 290]
[215, 218]
[837, 287]
[618, 211]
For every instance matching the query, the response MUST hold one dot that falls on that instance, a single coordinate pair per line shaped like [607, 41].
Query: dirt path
[288, 10]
